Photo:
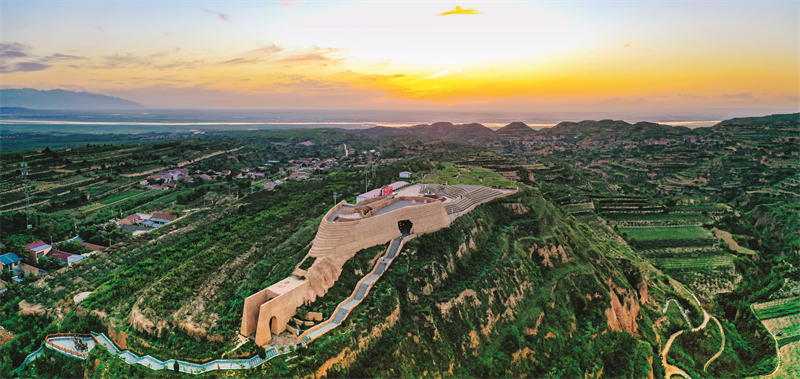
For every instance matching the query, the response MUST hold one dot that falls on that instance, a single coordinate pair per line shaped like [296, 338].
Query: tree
[49, 263]
[74, 248]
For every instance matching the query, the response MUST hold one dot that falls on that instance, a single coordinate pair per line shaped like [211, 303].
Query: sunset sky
[491, 55]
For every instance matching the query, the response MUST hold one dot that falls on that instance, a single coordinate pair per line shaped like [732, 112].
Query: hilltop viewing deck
[456, 199]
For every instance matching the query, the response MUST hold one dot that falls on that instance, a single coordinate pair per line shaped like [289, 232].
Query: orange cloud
[459, 10]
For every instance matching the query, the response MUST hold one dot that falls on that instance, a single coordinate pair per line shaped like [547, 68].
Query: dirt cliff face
[503, 293]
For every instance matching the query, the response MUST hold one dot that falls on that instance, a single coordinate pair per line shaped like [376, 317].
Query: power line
[27, 196]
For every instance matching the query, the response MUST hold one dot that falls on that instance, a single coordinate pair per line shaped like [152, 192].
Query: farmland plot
[782, 319]
[677, 236]
[777, 308]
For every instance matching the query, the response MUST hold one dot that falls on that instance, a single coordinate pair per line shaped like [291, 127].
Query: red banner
[387, 191]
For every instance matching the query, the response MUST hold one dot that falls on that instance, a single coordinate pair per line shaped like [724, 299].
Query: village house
[397, 185]
[37, 250]
[272, 185]
[406, 174]
[63, 256]
[10, 262]
[368, 195]
[161, 218]
[300, 176]
[133, 219]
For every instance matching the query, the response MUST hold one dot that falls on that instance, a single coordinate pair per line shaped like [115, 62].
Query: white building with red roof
[37, 250]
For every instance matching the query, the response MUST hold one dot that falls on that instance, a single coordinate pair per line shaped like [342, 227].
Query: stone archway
[273, 325]
[405, 226]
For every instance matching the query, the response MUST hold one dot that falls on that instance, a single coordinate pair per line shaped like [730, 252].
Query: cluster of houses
[165, 180]
[139, 223]
[247, 174]
[168, 179]
[300, 169]
[38, 250]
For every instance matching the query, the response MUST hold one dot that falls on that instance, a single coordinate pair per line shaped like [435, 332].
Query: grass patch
[307, 263]
[456, 174]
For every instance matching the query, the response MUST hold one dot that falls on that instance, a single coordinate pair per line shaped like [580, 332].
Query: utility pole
[27, 196]
[334, 197]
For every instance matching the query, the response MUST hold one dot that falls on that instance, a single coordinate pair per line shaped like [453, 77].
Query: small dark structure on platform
[80, 346]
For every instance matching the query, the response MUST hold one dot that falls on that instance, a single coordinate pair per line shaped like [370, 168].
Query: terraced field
[687, 252]
[673, 236]
[664, 219]
[580, 208]
[777, 308]
[782, 319]
[684, 263]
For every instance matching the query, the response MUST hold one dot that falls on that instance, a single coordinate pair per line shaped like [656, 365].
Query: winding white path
[669, 369]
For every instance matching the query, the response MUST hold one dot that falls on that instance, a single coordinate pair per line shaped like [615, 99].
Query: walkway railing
[30, 357]
[149, 361]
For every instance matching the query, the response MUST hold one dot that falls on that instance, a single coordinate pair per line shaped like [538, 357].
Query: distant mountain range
[615, 128]
[61, 99]
[517, 131]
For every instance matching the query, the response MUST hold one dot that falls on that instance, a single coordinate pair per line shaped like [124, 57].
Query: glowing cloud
[438, 74]
[459, 10]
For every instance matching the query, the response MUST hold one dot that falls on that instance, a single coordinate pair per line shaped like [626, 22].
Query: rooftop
[373, 193]
[38, 245]
[9, 258]
[62, 255]
[398, 184]
[164, 216]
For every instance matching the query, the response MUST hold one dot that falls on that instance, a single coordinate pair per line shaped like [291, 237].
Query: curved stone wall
[336, 242]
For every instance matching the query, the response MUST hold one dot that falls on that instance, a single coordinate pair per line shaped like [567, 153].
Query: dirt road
[669, 369]
[721, 348]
